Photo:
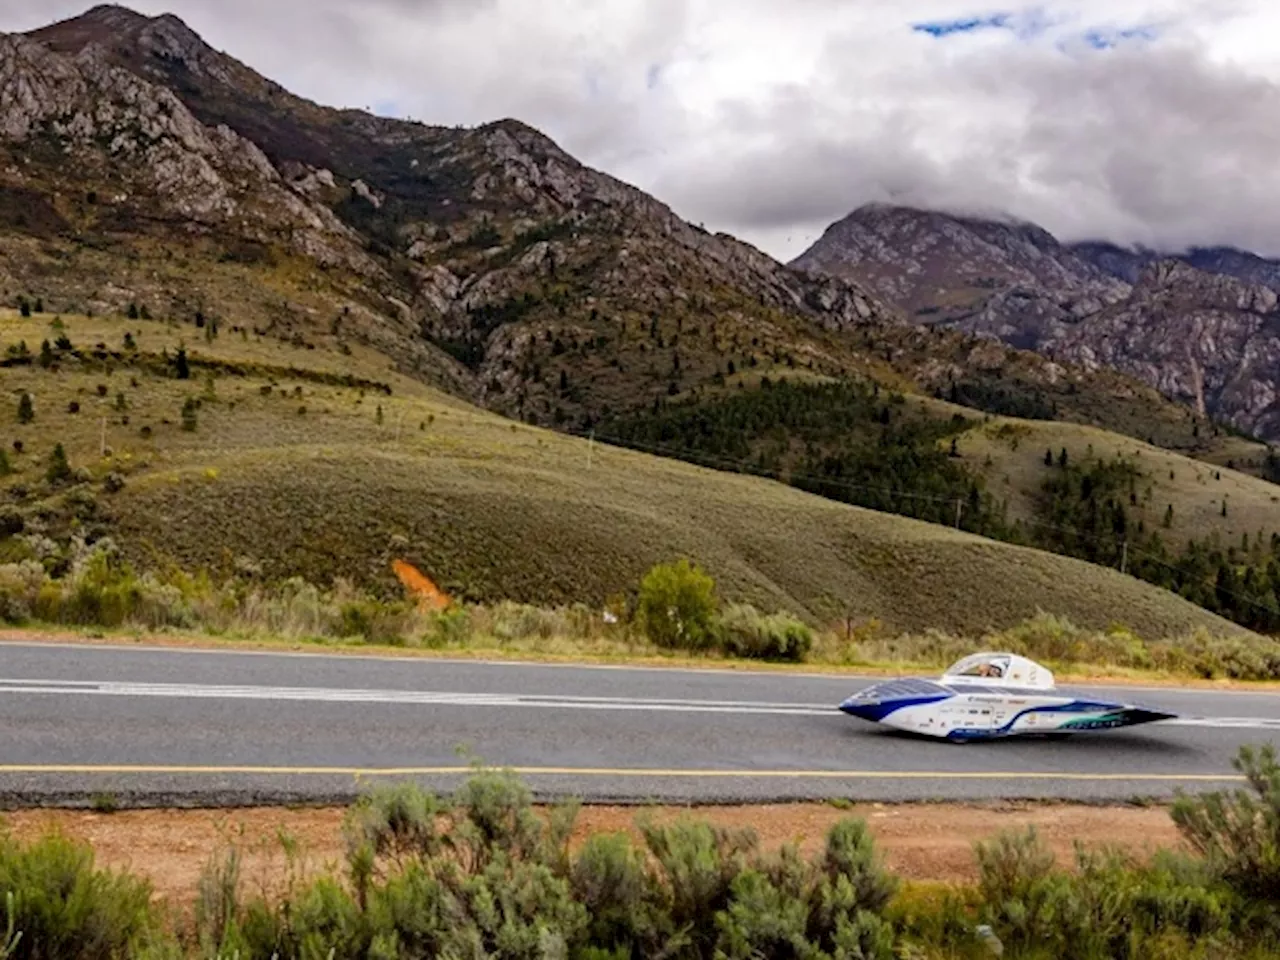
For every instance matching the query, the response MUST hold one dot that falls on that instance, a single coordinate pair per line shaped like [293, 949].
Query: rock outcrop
[1209, 340]
[1200, 327]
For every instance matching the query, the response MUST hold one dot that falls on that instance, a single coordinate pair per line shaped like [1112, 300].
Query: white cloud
[771, 118]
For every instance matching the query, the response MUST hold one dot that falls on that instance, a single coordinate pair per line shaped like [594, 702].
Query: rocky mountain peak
[992, 276]
[109, 16]
[147, 45]
[1175, 280]
[1200, 326]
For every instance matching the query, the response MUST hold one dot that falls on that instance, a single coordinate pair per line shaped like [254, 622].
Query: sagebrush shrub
[745, 632]
[611, 880]
[1238, 833]
[376, 621]
[63, 907]
[20, 585]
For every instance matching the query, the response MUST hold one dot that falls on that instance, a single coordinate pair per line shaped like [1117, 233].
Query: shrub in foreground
[57, 906]
[483, 875]
[1238, 833]
[1108, 908]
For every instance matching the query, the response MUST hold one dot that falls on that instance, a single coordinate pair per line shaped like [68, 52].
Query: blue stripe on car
[877, 710]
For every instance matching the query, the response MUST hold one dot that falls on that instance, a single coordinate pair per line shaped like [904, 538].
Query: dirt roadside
[919, 842]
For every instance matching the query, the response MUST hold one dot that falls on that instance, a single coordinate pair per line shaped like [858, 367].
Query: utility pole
[959, 510]
[1124, 557]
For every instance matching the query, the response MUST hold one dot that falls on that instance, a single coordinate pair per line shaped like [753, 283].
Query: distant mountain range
[140, 166]
[1201, 326]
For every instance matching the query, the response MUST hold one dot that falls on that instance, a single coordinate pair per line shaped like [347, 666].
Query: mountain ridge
[484, 260]
[1201, 327]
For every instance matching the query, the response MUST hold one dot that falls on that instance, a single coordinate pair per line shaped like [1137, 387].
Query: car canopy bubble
[1005, 668]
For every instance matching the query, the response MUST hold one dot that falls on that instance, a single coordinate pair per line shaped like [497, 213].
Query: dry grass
[1010, 454]
[491, 509]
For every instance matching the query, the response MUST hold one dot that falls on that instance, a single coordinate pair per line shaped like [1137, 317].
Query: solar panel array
[908, 687]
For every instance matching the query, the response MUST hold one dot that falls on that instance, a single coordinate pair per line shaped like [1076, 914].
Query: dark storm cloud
[1148, 144]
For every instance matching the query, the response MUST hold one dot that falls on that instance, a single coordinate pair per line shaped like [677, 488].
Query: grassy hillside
[1211, 534]
[319, 463]
[1010, 455]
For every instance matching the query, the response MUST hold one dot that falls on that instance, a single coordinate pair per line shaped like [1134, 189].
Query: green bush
[623, 902]
[677, 606]
[190, 416]
[1238, 833]
[376, 621]
[448, 628]
[58, 906]
[1109, 908]
[745, 632]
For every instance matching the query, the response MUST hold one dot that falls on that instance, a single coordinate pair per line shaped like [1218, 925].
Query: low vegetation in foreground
[676, 611]
[482, 874]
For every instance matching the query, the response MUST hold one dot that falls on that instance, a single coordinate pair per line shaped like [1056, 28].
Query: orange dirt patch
[920, 842]
[418, 584]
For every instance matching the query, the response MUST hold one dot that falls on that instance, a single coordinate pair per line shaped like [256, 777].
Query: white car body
[990, 695]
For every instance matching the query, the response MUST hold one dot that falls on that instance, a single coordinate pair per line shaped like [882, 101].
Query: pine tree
[46, 354]
[189, 419]
[1048, 458]
[59, 469]
[378, 416]
[133, 311]
[24, 308]
[26, 409]
[182, 365]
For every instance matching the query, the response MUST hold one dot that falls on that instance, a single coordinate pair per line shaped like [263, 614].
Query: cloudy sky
[1139, 121]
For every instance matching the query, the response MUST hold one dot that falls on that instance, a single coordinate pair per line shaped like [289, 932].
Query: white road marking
[462, 699]
[414, 697]
[1240, 723]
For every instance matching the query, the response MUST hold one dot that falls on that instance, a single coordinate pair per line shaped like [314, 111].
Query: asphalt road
[161, 726]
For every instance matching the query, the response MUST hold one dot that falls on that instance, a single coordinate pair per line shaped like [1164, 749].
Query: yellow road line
[141, 769]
